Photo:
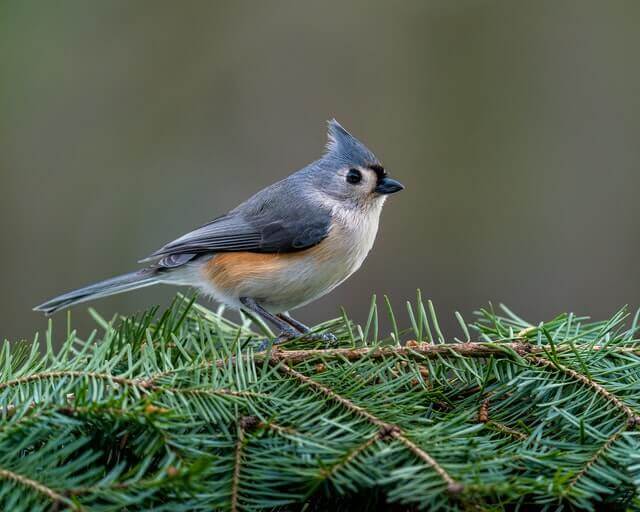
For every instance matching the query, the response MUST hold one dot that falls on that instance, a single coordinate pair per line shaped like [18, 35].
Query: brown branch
[39, 487]
[420, 350]
[142, 384]
[632, 417]
[413, 349]
[386, 429]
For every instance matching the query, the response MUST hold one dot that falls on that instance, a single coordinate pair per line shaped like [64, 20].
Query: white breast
[354, 234]
[350, 239]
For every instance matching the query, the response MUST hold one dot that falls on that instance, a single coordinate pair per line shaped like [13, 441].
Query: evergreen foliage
[179, 412]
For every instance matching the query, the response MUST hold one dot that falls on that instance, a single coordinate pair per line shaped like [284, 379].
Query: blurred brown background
[515, 127]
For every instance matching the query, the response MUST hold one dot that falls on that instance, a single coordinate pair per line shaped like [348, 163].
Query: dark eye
[354, 176]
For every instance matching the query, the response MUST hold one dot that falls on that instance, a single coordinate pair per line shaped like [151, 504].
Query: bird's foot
[283, 337]
[329, 339]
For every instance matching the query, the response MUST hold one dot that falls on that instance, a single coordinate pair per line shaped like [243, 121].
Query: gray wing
[286, 228]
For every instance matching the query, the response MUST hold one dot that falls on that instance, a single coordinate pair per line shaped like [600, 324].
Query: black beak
[388, 186]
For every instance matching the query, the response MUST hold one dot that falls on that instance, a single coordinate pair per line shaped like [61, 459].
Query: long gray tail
[119, 284]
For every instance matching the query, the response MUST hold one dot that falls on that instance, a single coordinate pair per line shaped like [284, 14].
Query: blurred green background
[515, 127]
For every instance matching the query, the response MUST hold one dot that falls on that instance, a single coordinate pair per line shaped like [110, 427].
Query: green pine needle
[176, 411]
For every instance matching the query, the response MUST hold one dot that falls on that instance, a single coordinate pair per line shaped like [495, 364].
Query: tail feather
[119, 284]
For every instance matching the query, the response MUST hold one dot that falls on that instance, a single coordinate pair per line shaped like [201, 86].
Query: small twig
[278, 428]
[632, 417]
[327, 473]
[142, 384]
[347, 404]
[243, 424]
[386, 429]
[211, 391]
[453, 486]
[501, 427]
[70, 397]
[594, 458]
[39, 487]
[12, 409]
[483, 417]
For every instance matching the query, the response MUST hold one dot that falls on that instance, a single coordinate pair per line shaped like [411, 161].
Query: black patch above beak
[388, 186]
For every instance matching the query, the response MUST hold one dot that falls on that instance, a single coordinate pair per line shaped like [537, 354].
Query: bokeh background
[515, 127]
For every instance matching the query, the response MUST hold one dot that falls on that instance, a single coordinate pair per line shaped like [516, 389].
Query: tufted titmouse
[286, 246]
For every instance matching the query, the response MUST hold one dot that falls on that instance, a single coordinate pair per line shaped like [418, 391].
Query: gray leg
[298, 326]
[287, 332]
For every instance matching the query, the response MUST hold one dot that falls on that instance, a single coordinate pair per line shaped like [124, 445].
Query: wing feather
[277, 230]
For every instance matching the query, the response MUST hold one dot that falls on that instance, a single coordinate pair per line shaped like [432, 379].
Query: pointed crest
[345, 147]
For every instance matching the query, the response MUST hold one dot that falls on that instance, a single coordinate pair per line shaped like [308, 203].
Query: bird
[287, 245]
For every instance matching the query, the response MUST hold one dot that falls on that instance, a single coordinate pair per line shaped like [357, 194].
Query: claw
[283, 337]
[328, 338]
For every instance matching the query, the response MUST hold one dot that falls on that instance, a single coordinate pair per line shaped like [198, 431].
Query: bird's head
[350, 173]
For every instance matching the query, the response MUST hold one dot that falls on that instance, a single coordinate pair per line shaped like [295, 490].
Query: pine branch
[38, 487]
[595, 457]
[633, 417]
[484, 417]
[385, 429]
[235, 482]
[453, 487]
[412, 349]
[111, 379]
[327, 473]
[179, 412]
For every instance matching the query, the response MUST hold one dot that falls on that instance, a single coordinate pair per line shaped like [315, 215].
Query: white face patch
[360, 191]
